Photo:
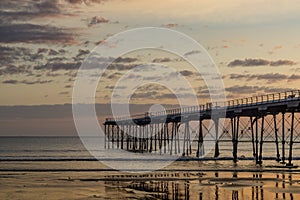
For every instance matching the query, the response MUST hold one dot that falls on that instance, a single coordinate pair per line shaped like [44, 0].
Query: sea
[156, 177]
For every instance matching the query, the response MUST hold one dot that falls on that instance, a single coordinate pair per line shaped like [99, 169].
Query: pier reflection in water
[218, 186]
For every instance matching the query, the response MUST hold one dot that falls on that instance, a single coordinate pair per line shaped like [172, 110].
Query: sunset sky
[255, 45]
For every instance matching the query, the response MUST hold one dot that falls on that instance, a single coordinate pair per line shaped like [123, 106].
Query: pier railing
[235, 103]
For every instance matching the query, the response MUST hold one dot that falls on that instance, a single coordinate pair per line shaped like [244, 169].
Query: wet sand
[155, 185]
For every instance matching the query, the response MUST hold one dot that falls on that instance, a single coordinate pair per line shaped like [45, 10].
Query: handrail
[255, 100]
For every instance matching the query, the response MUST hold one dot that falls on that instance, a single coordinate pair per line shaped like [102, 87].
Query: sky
[255, 45]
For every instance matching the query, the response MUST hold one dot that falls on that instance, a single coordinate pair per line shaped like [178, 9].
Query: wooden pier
[272, 118]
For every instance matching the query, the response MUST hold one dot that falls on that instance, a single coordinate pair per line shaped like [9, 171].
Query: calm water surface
[209, 179]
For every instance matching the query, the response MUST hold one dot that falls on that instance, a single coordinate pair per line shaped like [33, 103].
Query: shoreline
[149, 171]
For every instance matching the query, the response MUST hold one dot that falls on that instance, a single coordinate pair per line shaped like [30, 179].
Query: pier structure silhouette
[271, 118]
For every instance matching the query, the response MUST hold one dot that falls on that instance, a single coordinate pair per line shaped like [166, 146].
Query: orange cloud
[171, 25]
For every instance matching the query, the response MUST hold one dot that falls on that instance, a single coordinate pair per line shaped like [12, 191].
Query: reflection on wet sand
[216, 186]
[221, 185]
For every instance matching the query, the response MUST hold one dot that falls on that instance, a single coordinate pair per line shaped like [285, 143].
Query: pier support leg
[172, 137]
[118, 138]
[289, 164]
[261, 140]
[160, 134]
[200, 149]
[108, 136]
[145, 136]
[105, 135]
[155, 136]
[235, 130]
[276, 139]
[283, 140]
[175, 137]
[237, 136]
[122, 136]
[217, 151]
[168, 136]
[140, 137]
[186, 143]
[232, 122]
[189, 140]
[178, 138]
[165, 137]
[113, 136]
[151, 137]
[184, 136]
[127, 136]
[252, 136]
[256, 139]
[135, 134]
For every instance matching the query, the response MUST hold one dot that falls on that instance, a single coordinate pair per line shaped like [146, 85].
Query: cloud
[11, 69]
[114, 75]
[277, 90]
[12, 10]
[268, 76]
[42, 50]
[173, 96]
[96, 58]
[50, 74]
[12, 81]
[86, 2]
[111, 87]
[47, 7]
[277, 47]
[25, 10]
[294, 77]
[170, 25]
[143, 95]
[58, 59]
[59, 66]
[31, 33]
[249, 62]
[52, 52]
[121, 67]
[9, 55]
[35, 82]
[13, 14]
[238, 76]
[81, 55]
[282, 62]
[152, 87]
[186, 73]
[125, 60]
[253, 90]
[245, 89]
[69, 66]
[192, 52]
[98, 20]
[82, 52]
[161, 60]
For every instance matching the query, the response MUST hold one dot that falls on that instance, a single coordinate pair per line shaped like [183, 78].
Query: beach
[159, 185]
[61, 168]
